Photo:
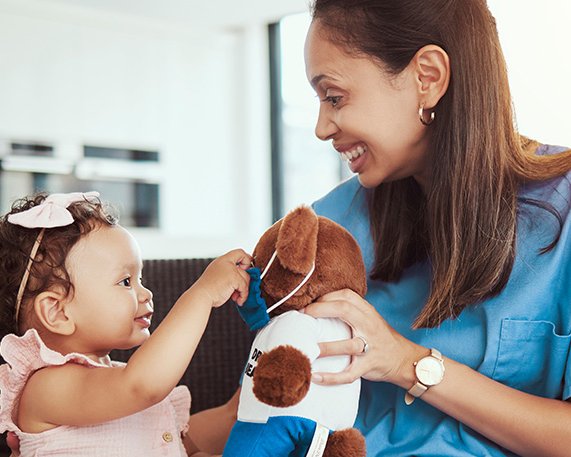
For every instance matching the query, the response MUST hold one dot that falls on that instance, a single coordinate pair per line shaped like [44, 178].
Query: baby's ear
[50, 310]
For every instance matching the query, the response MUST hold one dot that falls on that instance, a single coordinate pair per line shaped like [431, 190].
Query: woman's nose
[325, 128]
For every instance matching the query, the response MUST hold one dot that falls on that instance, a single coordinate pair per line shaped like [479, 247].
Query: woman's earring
[421, 116]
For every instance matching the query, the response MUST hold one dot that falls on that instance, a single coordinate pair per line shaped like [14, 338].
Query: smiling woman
[348, 105]
[303, 158]
[464, 224]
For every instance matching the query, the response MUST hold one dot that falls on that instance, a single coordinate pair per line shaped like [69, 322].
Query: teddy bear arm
[282, 376]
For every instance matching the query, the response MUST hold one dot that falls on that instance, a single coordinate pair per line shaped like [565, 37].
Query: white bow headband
[52, 212]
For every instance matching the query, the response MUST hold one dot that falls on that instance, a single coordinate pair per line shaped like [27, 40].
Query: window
[304, 168]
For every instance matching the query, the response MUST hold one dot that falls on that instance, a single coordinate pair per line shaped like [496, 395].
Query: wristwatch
[429, 372]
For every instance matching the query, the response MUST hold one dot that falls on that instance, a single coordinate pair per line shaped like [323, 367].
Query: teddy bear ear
[296, 245]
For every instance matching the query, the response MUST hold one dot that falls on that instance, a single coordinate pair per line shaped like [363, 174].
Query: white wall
[536, 42]
[73, 76]
[199, 93]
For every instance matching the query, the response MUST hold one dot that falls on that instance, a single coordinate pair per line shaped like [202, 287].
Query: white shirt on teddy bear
[335, 407]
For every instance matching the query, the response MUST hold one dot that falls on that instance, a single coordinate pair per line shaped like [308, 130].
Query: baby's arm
[170, 348]
[76, 395]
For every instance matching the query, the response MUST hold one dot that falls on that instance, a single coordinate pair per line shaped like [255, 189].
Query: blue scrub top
[520, 338]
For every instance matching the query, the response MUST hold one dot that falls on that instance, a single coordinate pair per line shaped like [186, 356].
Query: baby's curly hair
[48, 268]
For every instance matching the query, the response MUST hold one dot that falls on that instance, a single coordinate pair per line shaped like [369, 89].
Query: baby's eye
[126, 282]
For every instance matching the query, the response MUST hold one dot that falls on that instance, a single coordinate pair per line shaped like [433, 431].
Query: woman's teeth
[353, 154]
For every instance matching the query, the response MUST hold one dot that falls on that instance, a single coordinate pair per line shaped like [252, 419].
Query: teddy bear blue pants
[280, 436]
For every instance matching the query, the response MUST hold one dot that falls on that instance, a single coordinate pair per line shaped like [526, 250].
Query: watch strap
[436, 354]
[418, 388]
[414, 392]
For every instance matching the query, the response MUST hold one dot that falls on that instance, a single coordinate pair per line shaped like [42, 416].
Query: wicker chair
[215, 369]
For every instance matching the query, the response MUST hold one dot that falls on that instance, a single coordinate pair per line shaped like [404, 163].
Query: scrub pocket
[532, 357]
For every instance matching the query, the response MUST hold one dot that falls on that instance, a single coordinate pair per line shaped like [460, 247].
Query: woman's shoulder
[342, 201]
[555, 191]
[550, 149]
[347, 205]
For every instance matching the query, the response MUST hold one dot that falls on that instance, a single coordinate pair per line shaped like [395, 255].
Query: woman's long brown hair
[465, 223]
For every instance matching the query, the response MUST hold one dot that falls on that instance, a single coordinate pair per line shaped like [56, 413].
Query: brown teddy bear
[281, 413]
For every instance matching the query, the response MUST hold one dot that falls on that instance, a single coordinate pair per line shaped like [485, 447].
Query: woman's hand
[481, 403]
[389, 355]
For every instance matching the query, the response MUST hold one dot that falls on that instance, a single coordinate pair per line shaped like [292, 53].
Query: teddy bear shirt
[334, 407]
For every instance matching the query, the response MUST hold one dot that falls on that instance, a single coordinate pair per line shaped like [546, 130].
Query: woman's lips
[356, 165]
[351, 152]
[354, 154]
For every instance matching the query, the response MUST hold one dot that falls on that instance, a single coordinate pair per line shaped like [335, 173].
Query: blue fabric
[281, 436]
[529, 320]
[254, 309]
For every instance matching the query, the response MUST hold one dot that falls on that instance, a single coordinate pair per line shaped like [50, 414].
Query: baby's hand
[226, 278]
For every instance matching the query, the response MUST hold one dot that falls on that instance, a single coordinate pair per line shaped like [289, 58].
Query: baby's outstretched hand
[226, 278]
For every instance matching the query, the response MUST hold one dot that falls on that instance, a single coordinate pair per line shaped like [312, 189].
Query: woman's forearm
[209, 429]
[525, 424]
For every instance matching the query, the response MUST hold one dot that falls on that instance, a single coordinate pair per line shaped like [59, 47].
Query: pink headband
[52, 212]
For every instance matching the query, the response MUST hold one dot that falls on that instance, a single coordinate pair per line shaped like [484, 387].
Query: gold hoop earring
[421, 116]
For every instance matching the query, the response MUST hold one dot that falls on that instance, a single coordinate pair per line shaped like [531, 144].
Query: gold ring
[365, 344]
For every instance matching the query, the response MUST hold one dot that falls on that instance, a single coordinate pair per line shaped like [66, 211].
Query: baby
[71, 292]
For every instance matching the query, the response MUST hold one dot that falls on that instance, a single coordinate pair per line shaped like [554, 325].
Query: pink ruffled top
[155, 431]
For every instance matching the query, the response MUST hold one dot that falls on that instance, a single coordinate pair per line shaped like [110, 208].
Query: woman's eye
[126, 282]
[333, 100]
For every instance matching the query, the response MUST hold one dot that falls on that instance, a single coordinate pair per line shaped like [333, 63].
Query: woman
[465, 227]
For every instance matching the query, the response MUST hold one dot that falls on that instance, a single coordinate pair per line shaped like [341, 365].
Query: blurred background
[195, 118]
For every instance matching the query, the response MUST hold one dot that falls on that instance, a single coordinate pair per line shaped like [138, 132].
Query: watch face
[429, 371]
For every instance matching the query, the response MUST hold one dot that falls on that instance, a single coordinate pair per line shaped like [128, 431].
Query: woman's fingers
[343, 304]
[347, 376]
[370, 333]
[353, 346]
[356, 312]
[331, 309]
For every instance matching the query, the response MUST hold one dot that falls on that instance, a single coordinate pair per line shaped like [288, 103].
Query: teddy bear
[281, 412]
